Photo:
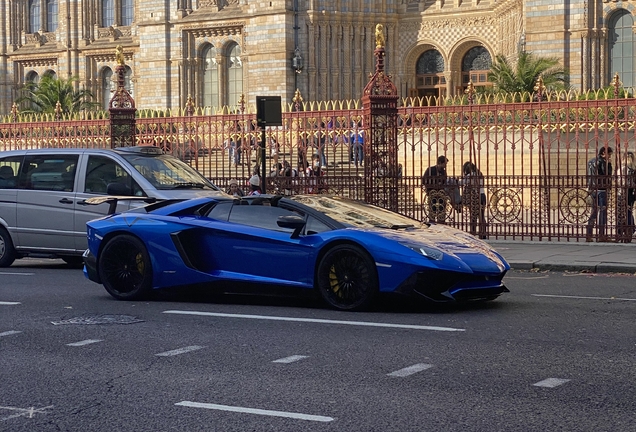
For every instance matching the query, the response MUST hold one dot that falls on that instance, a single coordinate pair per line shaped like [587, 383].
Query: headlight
[428, 252]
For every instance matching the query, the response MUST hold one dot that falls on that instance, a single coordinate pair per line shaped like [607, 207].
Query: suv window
[102, 171]
[49, 172]
[9, 168]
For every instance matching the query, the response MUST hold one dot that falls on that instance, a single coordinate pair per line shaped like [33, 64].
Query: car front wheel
[125, 269]
[347, 278]
[7, 251]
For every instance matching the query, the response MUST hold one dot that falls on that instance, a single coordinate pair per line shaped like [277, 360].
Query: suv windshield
[167, 172]
[356, 213]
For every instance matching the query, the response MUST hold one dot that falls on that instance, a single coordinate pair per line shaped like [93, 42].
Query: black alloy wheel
[125, 269]
[347, 278]
[7, 251]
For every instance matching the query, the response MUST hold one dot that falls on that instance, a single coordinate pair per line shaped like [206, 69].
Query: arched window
[33, 77]
[128, 82]
[621, 44]
[51, 15]
[210, 77]
[127, 12]
[107, 86]
[108, 13]
[51, 74]
[234, 75]
[475, 67]
[430, 74]
[34, 16]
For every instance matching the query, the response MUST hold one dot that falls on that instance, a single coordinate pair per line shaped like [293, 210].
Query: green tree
[42, 96]
[522, 76]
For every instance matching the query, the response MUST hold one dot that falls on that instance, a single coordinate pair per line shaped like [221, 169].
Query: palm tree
[43, 96]
[523, 76]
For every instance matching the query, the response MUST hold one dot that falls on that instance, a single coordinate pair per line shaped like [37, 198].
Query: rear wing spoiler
[112, 200]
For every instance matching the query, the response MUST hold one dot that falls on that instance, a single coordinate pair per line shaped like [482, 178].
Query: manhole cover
[100, 319]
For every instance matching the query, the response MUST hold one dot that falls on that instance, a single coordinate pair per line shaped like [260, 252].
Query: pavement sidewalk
[568, 256]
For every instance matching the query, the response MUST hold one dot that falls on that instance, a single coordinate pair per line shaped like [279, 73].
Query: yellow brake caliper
[333, 281]
[139, 259]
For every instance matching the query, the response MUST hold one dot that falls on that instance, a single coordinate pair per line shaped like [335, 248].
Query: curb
[594, 267]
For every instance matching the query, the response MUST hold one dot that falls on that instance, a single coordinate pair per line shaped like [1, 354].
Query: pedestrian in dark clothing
[434, 181]
[599, 172]
[474, 197]
[626, 175]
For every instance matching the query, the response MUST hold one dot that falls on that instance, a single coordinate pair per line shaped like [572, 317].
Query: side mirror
[297, 223]
[118, 189]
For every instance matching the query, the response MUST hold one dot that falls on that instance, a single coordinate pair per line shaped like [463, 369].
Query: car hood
[186, 193]
[450, 241]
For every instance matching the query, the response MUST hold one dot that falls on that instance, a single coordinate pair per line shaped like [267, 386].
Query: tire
[125, 268]
[346, 278]
[7, 251]
[74, 261]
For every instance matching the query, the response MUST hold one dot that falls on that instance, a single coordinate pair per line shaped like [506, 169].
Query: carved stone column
[594, 63]
[585, 61]
[603, 57]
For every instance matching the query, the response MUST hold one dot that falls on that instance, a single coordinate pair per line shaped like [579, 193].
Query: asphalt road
[555, 354]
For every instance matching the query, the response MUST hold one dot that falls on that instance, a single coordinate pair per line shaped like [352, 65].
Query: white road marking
[584, 298]
[24, 412]
[319, 321]
[527, 278]
[292, 415]
[84, 342]
[16, 274]
[551, 382]
[410, 370]
[9, 333]
[9, 303]
[290, 359]
[180, 351]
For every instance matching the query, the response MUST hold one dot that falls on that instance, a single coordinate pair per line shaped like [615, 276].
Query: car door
[9, 168]
[46, 200]
[252, 244]
[96, 173]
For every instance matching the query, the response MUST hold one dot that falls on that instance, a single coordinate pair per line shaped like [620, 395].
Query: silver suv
[43, 212]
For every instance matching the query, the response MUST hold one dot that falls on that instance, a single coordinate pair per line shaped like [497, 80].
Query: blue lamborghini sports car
[345, 250]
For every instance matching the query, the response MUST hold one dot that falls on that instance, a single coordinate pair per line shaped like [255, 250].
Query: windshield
[356, 213]
[168, 172]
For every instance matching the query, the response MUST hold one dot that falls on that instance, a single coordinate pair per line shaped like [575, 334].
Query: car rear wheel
[125, 269]
[7, 251]
[346, 278]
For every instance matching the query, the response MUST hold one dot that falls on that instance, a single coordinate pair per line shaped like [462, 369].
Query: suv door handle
[66, 201]
[82, 202]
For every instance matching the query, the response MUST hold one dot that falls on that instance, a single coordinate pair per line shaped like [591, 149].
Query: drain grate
[100, 319]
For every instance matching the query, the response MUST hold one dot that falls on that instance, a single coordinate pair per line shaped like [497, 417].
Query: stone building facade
[216, 50]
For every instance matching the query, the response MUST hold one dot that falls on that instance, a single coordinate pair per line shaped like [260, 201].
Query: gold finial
[379, 36]
[470, 88]
[616, 83]
[470, 91]
[539, 87]
[119, 55]
[189, 105]
[58, 110]
[298, 99]
[241, 102]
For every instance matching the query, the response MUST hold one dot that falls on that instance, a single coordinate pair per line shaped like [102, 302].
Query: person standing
[626, 175]
[475, 197]
[234, 189]
[599, 181]
[255, 185]
[434, 181]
